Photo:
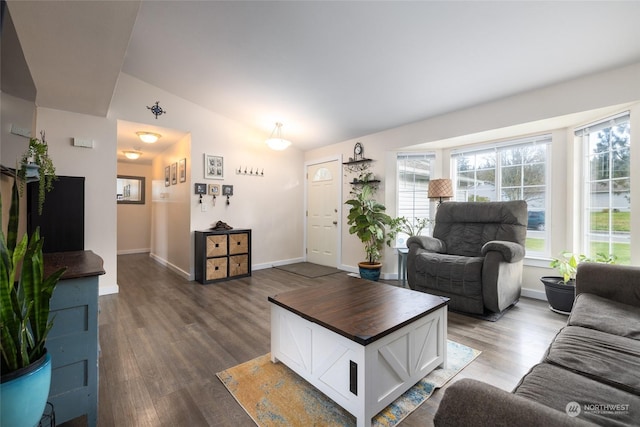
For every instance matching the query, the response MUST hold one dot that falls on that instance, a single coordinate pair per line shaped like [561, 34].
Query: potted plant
[402, 225]
[367, 219]
[35, 162]
[561, 290]
[24, 318]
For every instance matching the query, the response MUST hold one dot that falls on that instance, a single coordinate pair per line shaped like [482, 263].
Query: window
[512, 170]
[607, 191]
[414, 171]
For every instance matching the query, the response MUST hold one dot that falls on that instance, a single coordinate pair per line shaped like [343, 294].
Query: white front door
[323, 182]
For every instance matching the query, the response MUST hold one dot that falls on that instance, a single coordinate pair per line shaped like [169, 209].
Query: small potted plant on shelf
[561, 290]
[36, 164]
[25, 294]
[367, 219]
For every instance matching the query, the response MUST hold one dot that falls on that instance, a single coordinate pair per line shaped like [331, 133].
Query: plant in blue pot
[24, 323]
[367, 219]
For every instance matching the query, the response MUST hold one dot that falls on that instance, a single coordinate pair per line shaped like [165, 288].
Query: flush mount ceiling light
[148, 137]
[275, 141]
[133, 155]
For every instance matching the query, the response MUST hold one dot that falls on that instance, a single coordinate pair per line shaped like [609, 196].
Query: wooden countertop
[78, 264]
[360, 310]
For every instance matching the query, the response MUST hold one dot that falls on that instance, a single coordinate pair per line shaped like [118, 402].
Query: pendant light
[276, 141]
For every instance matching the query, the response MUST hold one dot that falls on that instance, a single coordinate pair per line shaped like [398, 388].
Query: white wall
[21, 113]
[98, 166]
[170, 223]
[530, 112]
[134, 220]
[271, 205]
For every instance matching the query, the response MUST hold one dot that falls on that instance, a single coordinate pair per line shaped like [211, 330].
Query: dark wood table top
[77, 264]
[360, 310]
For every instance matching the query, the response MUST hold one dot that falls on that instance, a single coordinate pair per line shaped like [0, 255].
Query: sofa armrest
[619, 283]
[469, 402]
[511, 252]
[427, 243]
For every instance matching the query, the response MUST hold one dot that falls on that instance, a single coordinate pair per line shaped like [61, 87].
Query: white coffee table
[361, 343]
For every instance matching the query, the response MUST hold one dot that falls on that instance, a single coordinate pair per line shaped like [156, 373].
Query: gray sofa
[475, 256]
[591, 369]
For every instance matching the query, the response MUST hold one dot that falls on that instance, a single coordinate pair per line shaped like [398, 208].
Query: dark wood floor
[163, 339]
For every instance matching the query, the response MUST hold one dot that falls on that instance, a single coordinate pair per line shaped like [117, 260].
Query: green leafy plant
[567, 263]
[403, 225]
[37, 154]
[367, 219]
[25, 294]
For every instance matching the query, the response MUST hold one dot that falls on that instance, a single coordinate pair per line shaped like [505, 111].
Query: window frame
[498, 148]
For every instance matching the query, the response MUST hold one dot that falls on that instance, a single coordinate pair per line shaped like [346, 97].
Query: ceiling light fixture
[133, 155]
[148, 137]
[277, 142]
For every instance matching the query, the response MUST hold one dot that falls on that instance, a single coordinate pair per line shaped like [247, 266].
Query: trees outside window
[512, 170]
[607, 191]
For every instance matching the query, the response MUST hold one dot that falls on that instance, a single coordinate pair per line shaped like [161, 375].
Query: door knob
[335, 222]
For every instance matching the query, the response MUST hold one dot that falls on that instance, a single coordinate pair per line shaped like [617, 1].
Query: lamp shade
[440, 189]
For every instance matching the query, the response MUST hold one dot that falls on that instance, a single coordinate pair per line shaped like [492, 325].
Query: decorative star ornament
[157, 110]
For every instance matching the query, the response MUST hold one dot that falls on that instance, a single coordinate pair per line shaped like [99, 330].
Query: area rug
[308, 269]
[273, 395]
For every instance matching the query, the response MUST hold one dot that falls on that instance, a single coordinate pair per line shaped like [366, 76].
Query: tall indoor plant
[367, 219]
[25, 294]
[561, 290]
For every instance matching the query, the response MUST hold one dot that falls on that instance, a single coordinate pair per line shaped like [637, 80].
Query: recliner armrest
[469, 402]
[427, 243]
[511, 252]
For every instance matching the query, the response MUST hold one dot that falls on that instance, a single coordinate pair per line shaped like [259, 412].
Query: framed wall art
[182, 170]
[174, 173]
[167, 176]
[213, 167]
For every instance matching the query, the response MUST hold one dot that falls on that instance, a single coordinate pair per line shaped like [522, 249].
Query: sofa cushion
[457, 275]
[608, 358]
[594, 312]
[557, 388]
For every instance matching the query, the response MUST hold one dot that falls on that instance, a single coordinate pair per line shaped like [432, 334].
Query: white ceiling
[330, 71]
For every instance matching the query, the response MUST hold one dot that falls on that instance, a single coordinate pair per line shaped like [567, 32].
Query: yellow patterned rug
[273, 395]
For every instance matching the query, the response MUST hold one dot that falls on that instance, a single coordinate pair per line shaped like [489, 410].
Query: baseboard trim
[133, 251]
[171, 266]
[534, 294]
[108, 290]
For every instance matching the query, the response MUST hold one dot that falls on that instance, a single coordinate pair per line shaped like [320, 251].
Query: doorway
[323, 213]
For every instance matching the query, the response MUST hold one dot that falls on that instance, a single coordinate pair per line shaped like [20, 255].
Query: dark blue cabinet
[73, 340]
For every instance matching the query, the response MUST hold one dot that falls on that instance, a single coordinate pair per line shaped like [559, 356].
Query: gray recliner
[475, 256]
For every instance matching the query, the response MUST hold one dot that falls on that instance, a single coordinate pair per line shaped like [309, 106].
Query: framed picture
[174, 173]
[227, 190]
[214, 189]
[200, 189]
[182, 170]
[167, 176]
[213, 167]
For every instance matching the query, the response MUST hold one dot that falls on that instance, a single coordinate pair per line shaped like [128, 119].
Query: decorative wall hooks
[227, 190]
[157, 110]
[250, 171]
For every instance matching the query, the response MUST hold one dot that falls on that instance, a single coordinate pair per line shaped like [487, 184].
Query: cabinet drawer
[216, 268]
[238, 265]
[216, 245]
[238, 243]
